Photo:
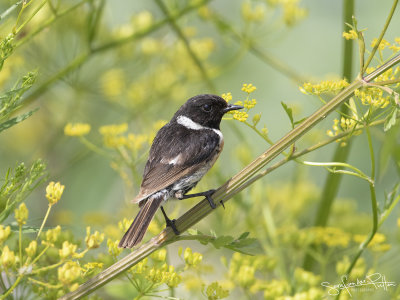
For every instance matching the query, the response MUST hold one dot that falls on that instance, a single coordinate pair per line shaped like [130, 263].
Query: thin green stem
[374, 204]
[20, 244]
[93, 147]
[44, 220]
[357, 172]
[389, 18]
[186, 43]
[47, 23]
[31, 16]
[15, 284]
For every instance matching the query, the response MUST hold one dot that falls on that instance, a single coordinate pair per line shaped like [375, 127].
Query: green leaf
[222, 241]
[14, 121]
[289, 112]
[391, 119]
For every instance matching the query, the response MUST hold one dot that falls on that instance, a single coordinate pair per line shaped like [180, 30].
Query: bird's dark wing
[175, 153]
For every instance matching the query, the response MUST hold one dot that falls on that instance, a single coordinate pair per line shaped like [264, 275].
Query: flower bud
[21, 214]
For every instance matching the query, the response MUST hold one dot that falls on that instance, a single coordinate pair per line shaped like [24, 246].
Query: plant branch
[389, 18]
[233, 186]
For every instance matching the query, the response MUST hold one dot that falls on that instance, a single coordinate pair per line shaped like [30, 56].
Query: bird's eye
[206, 107]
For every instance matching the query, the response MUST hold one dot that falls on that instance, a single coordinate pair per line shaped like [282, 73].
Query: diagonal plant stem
[233, 186]
[389, 18]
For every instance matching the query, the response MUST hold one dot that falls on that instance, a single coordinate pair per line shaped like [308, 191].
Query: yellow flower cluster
[248, 88]
[112, 135]
[31, 249]
[54, 192]
[192, 259]
[157, 275]
[7, 258]
[21, 214]
[240, 116]
[382, 45]
[343, 126]
[247, 266]
[358, 270]
[166, 274]
[214, 291]
[4, 233]
[69, 272]
[67, 250]
[53, 234]
[351, 35]
[376, 245]
[327, 86]
[113, 248]
[329, 236]
[250, 103]
[76, 129]
[227, 96]
[94, 240]
[252, 13]
[113, 83]
[276, 289]
[373, 96]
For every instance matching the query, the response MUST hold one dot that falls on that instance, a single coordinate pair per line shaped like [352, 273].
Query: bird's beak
[232, 107]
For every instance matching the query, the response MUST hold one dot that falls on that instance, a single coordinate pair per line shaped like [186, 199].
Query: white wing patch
[176, 160]
[190, 124]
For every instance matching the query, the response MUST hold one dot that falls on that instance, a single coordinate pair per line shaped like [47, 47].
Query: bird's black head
[206, 110]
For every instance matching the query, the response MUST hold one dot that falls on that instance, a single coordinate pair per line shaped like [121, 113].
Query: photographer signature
[376, 280]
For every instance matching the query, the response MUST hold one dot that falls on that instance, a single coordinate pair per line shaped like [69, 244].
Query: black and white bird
[182, 152]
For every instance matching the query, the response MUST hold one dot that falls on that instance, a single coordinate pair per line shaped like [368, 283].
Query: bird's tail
[138, 228]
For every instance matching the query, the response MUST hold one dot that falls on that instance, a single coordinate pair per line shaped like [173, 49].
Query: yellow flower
[67, 250]
[112, 135]
[113, 248]
[327, 86]
[160, 255]
[114, 129]
[76, 129]
[7, 257]
[351, 35]
[246, 278]
[192, 259]
[21, 214]
[69, 272]
[53, 234]
[214, 291]
[113, 83]
[253, 13]
[240, 116]
[31, 249]
[250, 103]
[54, 192]
[227, 96]
[4, 233]
[383, 44]
[93, 240]
[142, 21]
[248, 88]
[124, 224]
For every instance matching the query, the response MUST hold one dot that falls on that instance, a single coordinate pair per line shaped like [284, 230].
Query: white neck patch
[190, 124]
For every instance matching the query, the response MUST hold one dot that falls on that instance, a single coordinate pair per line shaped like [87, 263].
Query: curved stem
[389, 18]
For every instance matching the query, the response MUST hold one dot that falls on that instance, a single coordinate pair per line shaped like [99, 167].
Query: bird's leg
[206, 194]
[170, 223]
